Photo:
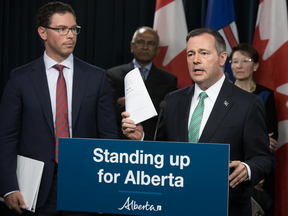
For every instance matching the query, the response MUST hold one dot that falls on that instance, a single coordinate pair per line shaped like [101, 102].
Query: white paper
[29, 173]
[137, 100]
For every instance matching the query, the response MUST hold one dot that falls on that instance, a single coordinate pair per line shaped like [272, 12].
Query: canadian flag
[271, 41]
[170, 23]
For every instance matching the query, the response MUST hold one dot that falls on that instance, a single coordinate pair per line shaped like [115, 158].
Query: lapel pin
[226, 103]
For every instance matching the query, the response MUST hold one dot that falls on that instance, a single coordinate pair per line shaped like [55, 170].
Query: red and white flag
[170, 23]
[271, 41]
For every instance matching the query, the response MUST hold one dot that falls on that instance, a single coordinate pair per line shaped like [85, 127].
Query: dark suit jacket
[240, 123]
[26, 124]
[158, 83]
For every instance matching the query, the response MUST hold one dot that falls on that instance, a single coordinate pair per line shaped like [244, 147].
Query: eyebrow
[203, 50]
[200, 50]
[63, 26]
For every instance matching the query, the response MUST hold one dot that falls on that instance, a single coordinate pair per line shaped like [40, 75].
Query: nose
[196, 59]
[239, 64]
[70, 34]
[145, 46]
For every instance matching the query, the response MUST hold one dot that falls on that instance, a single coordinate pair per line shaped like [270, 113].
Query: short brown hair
[220, 44]
[45, 13]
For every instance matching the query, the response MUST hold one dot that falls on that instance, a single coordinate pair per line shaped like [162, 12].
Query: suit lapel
[221, 107]
[127, 68]
[80, 79]
[184, 105]
[39, 80]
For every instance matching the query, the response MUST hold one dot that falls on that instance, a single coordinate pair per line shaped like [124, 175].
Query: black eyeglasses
[64, 31]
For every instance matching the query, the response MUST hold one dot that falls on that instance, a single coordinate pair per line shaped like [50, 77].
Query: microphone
[162, 107]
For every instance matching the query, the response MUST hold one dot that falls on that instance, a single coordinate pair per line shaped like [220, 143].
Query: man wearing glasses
[55, 96]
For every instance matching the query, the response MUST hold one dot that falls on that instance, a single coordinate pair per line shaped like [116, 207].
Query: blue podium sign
[143, 178]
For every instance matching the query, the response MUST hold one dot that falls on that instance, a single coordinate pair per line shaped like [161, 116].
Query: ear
[223, 57]
[42, 33]
[255, 67]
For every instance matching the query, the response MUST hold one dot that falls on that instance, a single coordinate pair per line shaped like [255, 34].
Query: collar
[49, 62]
[212, 91]
[136, 65]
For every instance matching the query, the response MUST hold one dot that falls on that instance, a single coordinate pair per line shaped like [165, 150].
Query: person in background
[144, 47]
[223, 113]
[244, 63]
[57, 95]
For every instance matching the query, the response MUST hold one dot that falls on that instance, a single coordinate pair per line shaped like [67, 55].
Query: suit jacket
[158, 83]
[240, 123]
[26, 124]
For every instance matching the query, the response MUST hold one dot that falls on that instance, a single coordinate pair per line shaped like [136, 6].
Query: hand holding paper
[29, 174]
[129, 129]
[15, 202]
[137, 100]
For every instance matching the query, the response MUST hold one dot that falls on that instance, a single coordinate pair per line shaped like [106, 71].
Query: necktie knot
[143, 71]
[59, 67]
[203, 95]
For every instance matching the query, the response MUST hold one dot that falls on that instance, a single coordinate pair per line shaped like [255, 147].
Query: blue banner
[142, 178]
[221, 17]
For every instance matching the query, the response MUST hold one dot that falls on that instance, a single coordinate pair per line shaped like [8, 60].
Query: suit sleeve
[10, 129]
[116, 93]
[105, 112]
[256, 142]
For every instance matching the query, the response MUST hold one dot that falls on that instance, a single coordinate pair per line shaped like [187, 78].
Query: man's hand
[259, 186]
[239, 174]
[129, 129]
[273, 143]
[121, 101]
[15, 202]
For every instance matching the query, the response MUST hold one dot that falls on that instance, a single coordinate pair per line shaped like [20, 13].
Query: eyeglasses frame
[69, 29]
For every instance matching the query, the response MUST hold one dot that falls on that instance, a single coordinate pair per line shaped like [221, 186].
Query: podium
[143, 177]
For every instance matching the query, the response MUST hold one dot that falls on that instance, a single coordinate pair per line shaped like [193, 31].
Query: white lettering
[134, 206]
[98, 155]
[108, 177]
[182, 158]
[134, 158]
[145, 179]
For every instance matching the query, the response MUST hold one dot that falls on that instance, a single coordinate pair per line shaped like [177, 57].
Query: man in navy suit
[144, 47]
[28, 108]
[230, 115]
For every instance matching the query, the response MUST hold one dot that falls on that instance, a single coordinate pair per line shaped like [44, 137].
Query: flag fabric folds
[170, 23]
[271, 41]
[221, 17]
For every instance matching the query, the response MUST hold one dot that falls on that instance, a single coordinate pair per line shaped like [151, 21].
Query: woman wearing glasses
[244, 63]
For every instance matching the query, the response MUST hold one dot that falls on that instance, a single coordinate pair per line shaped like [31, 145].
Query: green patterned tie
[194, 127]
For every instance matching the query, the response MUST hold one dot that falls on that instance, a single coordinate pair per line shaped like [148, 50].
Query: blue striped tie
[195, 123]
[143, 71]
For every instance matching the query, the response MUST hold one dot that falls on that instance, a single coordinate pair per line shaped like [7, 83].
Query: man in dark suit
[28, 124]
[144, 46]
[230, 115]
